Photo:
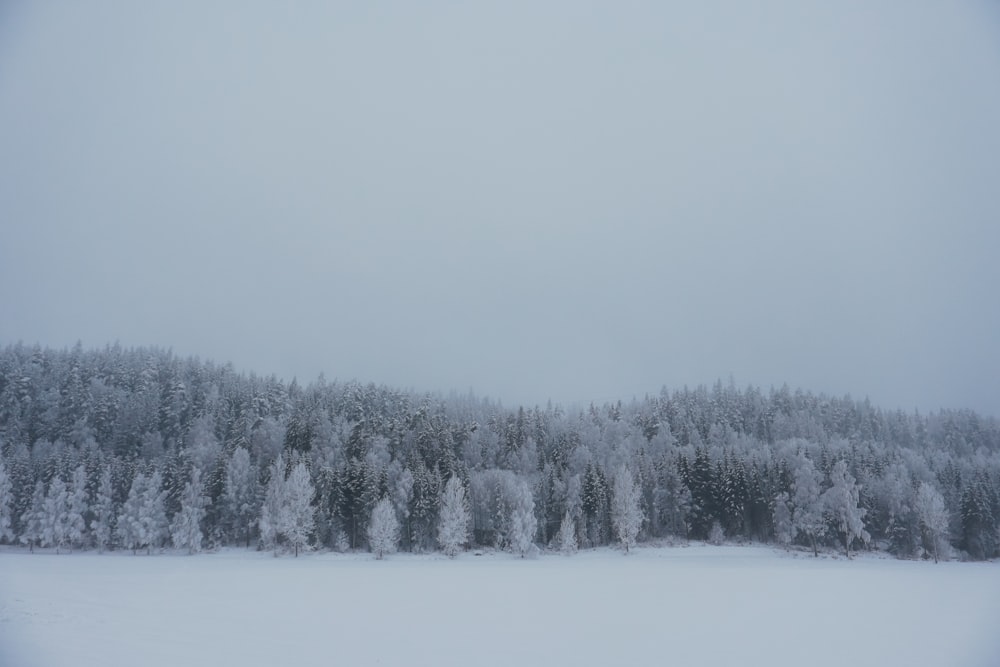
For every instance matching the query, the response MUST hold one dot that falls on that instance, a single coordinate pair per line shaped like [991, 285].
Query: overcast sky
[568, 200]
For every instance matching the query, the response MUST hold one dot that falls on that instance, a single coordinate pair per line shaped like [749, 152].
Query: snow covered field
[695, 605]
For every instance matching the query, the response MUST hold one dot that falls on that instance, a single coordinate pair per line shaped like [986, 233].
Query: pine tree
[185, 531]
[383, 529]
[978, 521]
[454, 519]
[626, 514]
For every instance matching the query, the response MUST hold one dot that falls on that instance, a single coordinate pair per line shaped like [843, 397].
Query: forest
[137, 449]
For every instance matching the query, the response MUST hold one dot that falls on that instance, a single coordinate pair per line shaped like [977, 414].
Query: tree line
[138, 449]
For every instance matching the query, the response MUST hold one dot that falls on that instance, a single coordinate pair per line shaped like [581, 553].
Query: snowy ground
[695, 605]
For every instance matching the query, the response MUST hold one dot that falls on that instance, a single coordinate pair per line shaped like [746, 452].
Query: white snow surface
[684, 605]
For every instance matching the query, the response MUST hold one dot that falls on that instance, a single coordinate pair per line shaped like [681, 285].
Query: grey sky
[574, 200]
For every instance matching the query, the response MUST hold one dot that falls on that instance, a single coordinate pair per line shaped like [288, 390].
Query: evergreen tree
[978, 522]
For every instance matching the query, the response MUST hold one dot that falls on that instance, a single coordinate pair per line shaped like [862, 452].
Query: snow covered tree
[103, 524]
[6, 498]
[402, 496]
[453, 521]
[842, 500]
[783, 530]
[240, 496]
[185, 531]
[806, 504]
[155, 526]
[716, 535]
[523, 523]
[142, 521]
[33, 518]
[978, 509]
[626, 514]
[273, 511]
[55, 515]
[299, 519]
[566, 537]
[383, 529]
[74, 524]
[933, 517]
[130, 518]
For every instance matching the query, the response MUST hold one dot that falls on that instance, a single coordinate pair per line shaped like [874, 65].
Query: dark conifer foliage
[703, 460]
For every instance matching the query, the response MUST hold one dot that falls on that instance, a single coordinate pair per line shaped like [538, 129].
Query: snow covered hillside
[696, 605]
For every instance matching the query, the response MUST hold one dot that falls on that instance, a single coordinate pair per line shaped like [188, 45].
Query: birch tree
[626, 514]
[842, 500]
[383, 529]
[454, 518]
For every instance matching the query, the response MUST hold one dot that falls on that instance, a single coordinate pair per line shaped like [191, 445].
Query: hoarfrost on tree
[454, 519]
[102, 525]
[299, 517]
[383, 529]
[185, 531]
[842, 500]
[933, 518]
[240, 497]
[626, 513]
[566, 538]
[6, 498]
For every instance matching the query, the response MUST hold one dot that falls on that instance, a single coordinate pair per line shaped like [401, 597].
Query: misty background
[566, 200]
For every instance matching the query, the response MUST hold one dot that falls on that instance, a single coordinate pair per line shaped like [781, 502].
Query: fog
[572, 201]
